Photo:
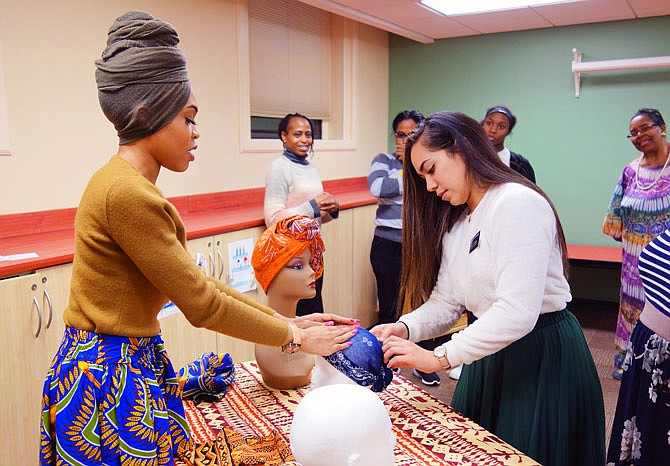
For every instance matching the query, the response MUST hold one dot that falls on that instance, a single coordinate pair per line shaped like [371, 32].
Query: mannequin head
[292, 245]
[360, 364]
[342, 425]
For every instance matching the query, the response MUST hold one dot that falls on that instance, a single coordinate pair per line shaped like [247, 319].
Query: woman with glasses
[480, 236]
[638, 212]
[385, 183]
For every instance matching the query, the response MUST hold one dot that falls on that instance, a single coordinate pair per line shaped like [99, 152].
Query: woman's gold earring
[663, 133]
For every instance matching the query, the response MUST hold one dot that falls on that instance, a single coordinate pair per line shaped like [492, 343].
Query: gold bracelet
[296, 340]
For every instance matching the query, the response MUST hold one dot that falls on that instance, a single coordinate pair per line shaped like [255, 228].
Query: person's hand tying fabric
[362, 364]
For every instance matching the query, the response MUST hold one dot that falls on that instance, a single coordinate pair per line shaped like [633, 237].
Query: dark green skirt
[540, 394]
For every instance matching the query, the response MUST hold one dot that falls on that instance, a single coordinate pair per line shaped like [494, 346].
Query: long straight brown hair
[426, 218]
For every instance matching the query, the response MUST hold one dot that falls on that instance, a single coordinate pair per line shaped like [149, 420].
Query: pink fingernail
[330, 323]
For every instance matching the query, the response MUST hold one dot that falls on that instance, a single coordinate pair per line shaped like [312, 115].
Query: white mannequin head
[325, 373]
[342, 425]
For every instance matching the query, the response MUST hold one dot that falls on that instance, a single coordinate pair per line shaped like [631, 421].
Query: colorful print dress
[635, 217]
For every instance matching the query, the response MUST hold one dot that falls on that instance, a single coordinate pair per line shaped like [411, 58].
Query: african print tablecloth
[427, 431]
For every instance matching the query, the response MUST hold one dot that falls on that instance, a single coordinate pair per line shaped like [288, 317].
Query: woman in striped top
[641, 429]
[638, 212]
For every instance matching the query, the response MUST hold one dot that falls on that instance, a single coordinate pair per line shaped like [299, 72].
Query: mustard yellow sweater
[130, 258]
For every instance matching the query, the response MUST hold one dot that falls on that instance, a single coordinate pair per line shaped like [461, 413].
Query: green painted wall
[577, 146]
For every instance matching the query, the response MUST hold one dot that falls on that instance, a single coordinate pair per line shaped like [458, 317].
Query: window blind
[289, 59]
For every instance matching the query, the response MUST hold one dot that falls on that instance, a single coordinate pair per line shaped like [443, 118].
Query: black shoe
[427, 378]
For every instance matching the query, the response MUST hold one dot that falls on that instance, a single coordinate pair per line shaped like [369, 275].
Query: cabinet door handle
[221, 264]
[213, 267]
[45, 295]
[39, 317]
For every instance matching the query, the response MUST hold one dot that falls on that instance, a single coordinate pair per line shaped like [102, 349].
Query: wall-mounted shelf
[579, 67]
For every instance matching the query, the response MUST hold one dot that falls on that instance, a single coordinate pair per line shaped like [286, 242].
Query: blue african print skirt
[112, 400]
[641, 427]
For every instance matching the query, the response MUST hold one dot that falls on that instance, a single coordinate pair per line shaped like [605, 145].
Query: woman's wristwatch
[293, 345]
[441, 354]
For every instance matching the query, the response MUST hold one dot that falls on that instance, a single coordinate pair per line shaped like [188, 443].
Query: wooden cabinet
[337, 275]
[32, 308]
[349, 284]
[364, 285]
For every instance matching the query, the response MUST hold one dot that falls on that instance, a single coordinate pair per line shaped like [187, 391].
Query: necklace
[643, 187]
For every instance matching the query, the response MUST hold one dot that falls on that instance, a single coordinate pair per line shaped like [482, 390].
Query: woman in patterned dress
[638, 213]
[641, 428]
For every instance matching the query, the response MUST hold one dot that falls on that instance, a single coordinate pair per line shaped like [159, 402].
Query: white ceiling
[410, 19]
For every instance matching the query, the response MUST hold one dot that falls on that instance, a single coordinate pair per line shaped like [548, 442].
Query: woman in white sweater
[478, 235]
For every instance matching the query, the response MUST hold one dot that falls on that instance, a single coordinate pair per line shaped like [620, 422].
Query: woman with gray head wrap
[111, 395]
[142, 78]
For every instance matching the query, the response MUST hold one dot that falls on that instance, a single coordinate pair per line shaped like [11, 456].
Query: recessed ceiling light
[467, 7]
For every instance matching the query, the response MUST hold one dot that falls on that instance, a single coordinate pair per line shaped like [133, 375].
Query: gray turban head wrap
[142, 79]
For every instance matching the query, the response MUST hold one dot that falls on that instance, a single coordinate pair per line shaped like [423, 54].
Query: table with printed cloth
[427, 431]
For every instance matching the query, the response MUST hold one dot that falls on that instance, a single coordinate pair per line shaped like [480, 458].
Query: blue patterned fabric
[363, 362]
[112, 400]
[207, 378]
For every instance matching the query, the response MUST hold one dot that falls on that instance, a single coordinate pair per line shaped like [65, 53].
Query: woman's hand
[383, 331]
[399, 352]
[327, 202]
[322, 319]
[326, 340]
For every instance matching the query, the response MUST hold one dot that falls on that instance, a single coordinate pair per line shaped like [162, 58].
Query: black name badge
[474, 242]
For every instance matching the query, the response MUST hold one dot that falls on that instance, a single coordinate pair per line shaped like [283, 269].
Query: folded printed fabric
[363, 362]
[207, 378]
[271, 450]
[233, 449]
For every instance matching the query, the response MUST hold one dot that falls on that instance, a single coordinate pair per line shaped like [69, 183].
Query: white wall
[59, 137]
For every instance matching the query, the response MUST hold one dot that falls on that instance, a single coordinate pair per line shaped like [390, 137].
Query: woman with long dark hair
[480, 236]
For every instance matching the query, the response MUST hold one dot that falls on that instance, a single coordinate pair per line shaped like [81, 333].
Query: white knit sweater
[513, 273]
[289, 188]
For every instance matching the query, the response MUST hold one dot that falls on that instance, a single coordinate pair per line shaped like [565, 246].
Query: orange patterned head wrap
[283, 241]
